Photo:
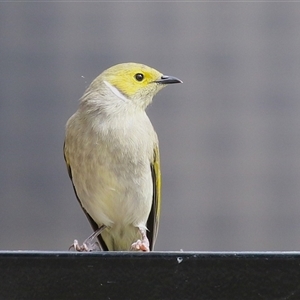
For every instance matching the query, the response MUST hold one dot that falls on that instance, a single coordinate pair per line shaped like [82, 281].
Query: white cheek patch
[115, 91]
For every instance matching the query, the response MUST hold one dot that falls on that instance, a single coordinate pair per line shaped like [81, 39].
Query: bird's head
[131, 83]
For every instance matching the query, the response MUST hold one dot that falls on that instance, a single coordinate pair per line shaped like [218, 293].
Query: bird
[112, 155]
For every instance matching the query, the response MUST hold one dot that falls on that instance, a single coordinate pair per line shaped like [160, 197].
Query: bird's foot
[140, 246]
[143, 244]
[89, 244]
[85, 247]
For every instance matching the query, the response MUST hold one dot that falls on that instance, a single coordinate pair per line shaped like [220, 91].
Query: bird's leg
[88, 245]
[142, 244]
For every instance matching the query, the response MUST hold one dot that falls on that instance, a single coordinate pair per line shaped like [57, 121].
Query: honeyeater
[112, 156]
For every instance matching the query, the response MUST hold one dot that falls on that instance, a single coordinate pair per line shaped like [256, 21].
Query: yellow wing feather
[153, 220]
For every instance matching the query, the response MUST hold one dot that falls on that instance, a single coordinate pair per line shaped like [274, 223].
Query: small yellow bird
[111, 152]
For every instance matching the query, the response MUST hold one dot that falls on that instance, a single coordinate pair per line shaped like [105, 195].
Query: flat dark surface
[156, 275]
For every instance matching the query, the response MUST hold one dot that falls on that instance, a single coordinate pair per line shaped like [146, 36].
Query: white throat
[115, 91]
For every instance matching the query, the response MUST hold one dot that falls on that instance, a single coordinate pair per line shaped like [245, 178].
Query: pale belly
[119, 200]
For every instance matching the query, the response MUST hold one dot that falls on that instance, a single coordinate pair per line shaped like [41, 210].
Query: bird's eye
[139, 76]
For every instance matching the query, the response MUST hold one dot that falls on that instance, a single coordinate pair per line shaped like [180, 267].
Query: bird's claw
[89, 244]
[140, 246]
[85, 247]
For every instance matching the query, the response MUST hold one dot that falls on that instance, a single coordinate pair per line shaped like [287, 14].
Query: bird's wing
[94, 225]
[153, 219]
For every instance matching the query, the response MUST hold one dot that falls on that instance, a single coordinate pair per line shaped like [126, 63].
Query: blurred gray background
[229, 135]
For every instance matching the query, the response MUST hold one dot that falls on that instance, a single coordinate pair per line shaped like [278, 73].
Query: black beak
[167, 80]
